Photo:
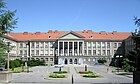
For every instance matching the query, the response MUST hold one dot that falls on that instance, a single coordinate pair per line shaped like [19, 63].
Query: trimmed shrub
[60, 72]
[57, 76]
[85, 72]
[91, 75]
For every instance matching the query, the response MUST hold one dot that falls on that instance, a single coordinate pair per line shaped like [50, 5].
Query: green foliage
[7, 24]
[85, 72]
[127, 67]
[57, 76]
[60, 72]
[102, 61]
[34, 62]
[15, 63]
[91, 75]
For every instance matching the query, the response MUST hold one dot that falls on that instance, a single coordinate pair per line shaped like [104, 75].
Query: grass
[18, 69]
[57, 75]
[85, 72]
[60, 72]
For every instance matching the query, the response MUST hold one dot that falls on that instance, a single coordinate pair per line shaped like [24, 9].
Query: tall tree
[7, 24]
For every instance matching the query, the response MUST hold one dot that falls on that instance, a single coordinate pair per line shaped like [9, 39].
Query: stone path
[40, 76]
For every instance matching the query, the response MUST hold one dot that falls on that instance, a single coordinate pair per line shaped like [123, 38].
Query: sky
[75, 15]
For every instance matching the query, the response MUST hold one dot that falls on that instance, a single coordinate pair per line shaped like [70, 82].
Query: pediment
[71, 35]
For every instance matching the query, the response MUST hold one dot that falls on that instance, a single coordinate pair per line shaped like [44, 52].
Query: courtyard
[40, 75]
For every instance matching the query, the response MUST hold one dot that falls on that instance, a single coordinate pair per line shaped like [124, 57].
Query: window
[99, 52]
[49, 37]
[37, 52]
[24, 45]
[94, 44]
[89, 44]
[103, 52]
[115, 45]
[114, 51]
[94, 52]
[32, 44]
[25, 52]
[119, 44]
[41, 52]
[21, 45]
[103, 44]
[46, 52]
[32, 52]
[46, 44]
[41, 45]
[85, 44]
[37, 44]
[99, 44]
[108, 45]
[108, 52]
[51, 52]
[51, 59]
[51, 44]
[46, 59]
[89, 52]
[85, 52]
[20, 52]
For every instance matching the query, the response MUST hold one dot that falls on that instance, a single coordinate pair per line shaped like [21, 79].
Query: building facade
[67, 47]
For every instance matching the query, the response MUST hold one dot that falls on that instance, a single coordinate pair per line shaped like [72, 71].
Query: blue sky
[96, 15]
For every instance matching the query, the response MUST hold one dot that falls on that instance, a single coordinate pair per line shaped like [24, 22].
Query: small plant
[57, 76]
[16, 71]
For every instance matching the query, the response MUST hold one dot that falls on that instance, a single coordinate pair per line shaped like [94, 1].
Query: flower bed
[60, 72]
[85, 72]
[57, 76]
[91, 75]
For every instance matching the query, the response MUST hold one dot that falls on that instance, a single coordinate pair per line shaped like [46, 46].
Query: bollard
[72, 79]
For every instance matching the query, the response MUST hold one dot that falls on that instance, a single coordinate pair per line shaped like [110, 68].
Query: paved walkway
[40, 76]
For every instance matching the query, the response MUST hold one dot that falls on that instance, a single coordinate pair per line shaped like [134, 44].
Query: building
[67, 47]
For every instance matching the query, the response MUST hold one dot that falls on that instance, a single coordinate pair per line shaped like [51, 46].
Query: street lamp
[22, 63]
[8, 44]
[28, 57]
[119, 57]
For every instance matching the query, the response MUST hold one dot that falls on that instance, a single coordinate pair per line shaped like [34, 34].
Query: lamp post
[8, 44]
[119, 57]
[22, 63]
[28, 57]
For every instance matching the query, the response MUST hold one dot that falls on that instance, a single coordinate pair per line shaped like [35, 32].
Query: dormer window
[91, 37]
[49, 37]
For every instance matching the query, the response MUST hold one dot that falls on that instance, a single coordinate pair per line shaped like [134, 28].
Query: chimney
[25, 33]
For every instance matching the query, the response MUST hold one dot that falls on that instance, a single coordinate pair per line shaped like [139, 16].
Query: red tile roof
[55, 34]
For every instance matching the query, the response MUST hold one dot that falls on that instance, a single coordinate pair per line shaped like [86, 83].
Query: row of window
[41, 52]
[90, 44]
[103, 44]
[38, 52]
[36, 45]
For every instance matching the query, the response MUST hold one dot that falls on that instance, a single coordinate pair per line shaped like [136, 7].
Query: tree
[7, 24]
[131, 61]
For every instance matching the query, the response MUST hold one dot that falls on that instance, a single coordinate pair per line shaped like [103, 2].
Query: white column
[58, 48]
[92, 48]
[87, 47]
[49, 49]
[78, 48]
[68, 48]
[83, 47]
[106, 48]
[101, 49]
[44, 48]
[63, 48]
[73, 48]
